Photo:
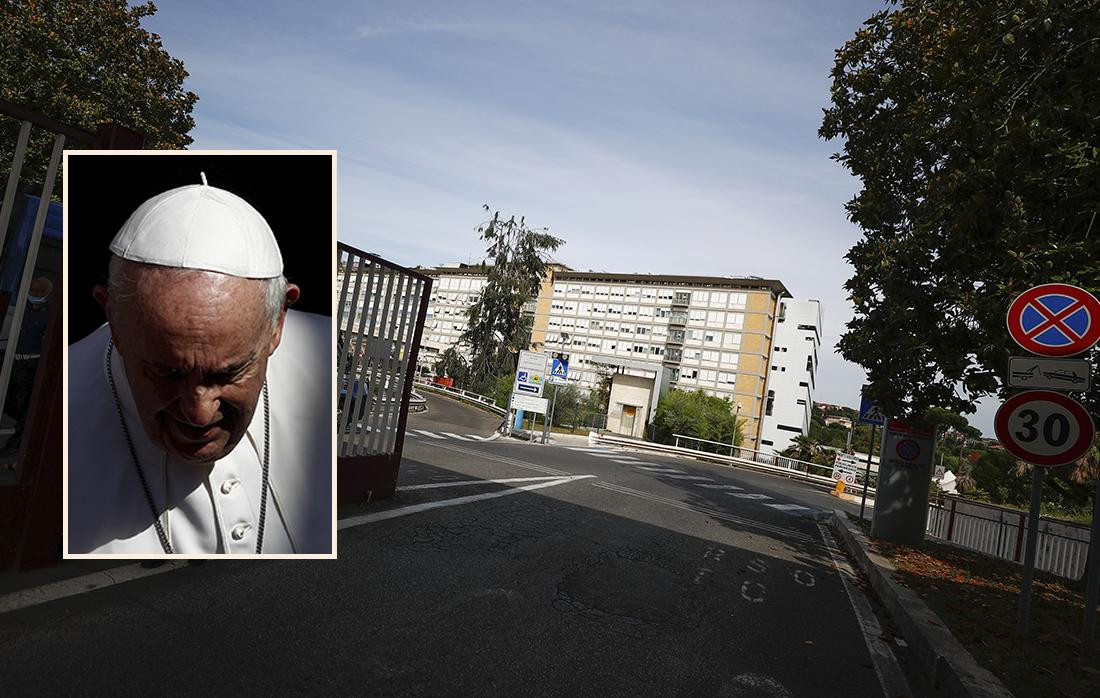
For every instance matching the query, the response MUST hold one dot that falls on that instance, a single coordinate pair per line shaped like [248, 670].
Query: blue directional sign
[522, 376]
[869, 412]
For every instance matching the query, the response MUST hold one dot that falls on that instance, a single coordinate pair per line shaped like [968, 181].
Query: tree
[88, 62]
[696, 414]
[568, 402]
[452, 364]
[973, 129]
[497, 328]
[802, 448]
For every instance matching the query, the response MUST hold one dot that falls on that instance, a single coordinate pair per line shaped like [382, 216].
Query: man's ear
[101, 295]
[292, 293]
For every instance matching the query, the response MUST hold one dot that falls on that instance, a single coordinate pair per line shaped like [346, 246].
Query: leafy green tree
[972, 128]
[86, 62]
[696, 414]
[452, 364]
[497, 327]
[502, 390]
[568, 401]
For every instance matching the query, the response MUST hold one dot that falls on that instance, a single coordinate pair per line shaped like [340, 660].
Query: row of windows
[713, 299]
[606, 345]
[695, 316]
[707, 376]
[706, 338]
[461, 298]
[460, 284]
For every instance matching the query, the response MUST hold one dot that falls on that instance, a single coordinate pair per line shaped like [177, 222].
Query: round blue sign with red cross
[1055, 320]
[907, 449]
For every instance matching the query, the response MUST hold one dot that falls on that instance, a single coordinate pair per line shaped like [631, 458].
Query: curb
[940, 657]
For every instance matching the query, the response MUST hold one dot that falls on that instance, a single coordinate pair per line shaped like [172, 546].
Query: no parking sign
[1055, 320]
[906, 446]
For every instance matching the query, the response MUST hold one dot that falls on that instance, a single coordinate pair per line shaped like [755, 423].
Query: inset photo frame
[198, 376]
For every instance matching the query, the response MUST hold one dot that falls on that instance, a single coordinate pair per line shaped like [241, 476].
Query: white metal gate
[379, 320]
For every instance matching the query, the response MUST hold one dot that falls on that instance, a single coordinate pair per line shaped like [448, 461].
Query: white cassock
[215, 511]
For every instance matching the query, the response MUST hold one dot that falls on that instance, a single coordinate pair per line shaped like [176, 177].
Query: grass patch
[977, 597]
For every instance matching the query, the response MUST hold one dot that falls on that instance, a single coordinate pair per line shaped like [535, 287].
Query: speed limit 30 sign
[1045, 428]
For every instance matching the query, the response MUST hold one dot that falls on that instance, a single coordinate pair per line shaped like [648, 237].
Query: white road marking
[721, 487]
[788, 507]
[627, 461]
[461, 483]
[610, 454]
[79, 585]
[659, 469]
[502, 459]
[703, 569]
[769, 529]
[589, 449]
[753, 591]
[353, 521]
[687, 477]
[475, 437]
[748, 495]
[757, 565]
[804, 578]
[455, 436]
[885, 663]
[761, 685]
[427, 433]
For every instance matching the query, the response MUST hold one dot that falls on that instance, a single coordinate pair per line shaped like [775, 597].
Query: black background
[293, 192]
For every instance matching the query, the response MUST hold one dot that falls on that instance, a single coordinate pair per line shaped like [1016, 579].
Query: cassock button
[240, 530]
[228, 485]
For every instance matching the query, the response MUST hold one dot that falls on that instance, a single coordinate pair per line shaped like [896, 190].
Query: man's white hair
[120, 286]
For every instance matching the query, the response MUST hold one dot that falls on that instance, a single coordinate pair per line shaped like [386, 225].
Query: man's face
[196, 346]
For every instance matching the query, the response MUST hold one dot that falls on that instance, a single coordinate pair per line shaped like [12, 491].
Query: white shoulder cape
[108, 511]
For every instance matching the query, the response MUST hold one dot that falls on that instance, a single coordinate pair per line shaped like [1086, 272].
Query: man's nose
[200, 403]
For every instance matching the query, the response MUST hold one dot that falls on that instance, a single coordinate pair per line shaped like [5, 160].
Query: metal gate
[379, 322]
[30, 476]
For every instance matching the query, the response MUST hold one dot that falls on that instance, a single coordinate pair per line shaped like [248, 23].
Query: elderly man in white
[200, 415]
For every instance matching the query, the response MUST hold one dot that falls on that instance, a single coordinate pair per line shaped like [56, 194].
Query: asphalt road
[584, 572]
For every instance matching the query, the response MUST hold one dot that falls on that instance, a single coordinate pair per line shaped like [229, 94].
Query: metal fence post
[951, 521]
[1020, 538]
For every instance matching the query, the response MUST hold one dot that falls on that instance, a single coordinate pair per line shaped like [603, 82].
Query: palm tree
[802, 448]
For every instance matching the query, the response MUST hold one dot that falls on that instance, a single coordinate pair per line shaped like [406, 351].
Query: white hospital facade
[743, 339]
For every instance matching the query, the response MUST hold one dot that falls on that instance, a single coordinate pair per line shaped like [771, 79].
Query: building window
[771, 401]
[784, 427]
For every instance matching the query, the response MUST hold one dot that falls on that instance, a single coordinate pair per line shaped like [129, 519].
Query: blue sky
[653, 137]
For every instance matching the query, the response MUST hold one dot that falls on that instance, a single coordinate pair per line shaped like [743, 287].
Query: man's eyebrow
[236, 367]
[229, 369]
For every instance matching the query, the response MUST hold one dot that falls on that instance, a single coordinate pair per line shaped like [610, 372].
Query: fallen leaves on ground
[977, 598]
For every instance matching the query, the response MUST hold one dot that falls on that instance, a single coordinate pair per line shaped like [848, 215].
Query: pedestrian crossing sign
[559, 371]
[870, 412]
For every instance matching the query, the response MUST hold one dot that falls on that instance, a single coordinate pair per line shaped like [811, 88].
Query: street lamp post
[736, 420]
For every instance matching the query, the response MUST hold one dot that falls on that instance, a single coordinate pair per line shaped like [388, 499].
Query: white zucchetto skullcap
[201, 227]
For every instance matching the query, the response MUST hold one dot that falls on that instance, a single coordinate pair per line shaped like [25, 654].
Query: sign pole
[1029, 555]
[1093, 586]
[553, 404]
[867, 474]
